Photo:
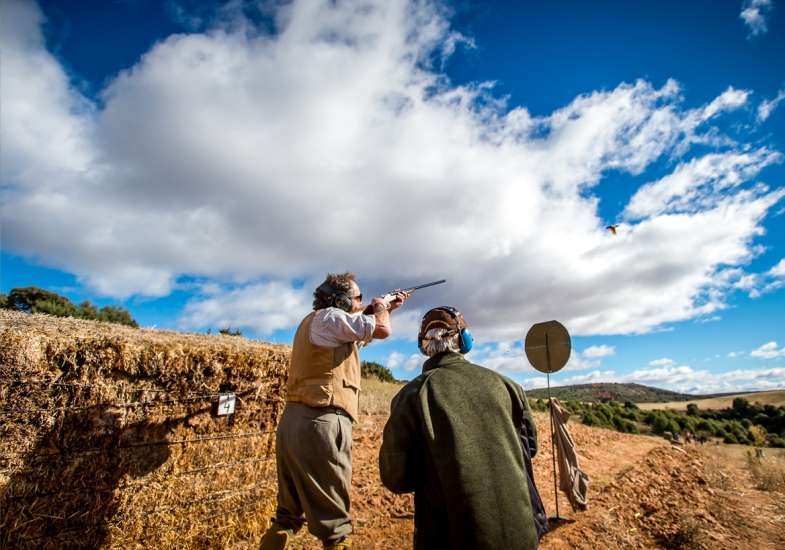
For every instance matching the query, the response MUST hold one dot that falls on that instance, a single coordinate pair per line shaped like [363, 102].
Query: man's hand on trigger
[397, 300]
[390, 302]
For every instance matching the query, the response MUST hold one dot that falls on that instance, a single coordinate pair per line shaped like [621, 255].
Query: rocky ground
[644, 493]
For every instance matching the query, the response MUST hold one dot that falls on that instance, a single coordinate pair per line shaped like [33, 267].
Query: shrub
[757, 435]
[768, 472]
[741, 406]
[37, 300]
[372, 369]
[685, 423]
[704, 426]
[114, 314]
[539, 405]
[590, 419]
[674, 427]
[630, 427]
[660, 423]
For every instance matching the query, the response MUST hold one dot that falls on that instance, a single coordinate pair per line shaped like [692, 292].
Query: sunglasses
[358, 297]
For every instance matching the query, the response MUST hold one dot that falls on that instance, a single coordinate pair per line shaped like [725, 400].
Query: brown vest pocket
[315, 395]
[347, 384]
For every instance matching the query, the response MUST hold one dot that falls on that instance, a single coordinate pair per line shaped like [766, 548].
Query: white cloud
[768, 351]
[729, 100]
[735, 354]
[405, 323]
[698, 184]
[410, 363]
[239, 155]
[666, 374]
[664, 362]
[712, 319]
[264, 307]
[506, 357]
[509, 357]
[599, 351]
[767, 374]
[754, 14]
[778, 270]
[590, 378]
[758, 284]
[532, 383]
[685, 379]
[590, 360]
[766, 107]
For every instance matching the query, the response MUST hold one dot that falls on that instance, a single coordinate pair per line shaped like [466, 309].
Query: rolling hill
[637, 393]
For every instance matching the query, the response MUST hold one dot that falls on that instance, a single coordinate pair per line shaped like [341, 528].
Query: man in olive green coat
[459, 436]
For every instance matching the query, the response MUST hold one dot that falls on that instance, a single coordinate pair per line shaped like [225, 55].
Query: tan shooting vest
[321, 376]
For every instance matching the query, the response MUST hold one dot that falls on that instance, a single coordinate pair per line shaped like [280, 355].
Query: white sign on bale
[225, 404]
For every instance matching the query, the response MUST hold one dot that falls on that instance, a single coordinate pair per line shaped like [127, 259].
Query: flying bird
[612, 228]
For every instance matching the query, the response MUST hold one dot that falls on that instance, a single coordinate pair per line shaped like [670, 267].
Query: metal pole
[553, 437]
[553, 446]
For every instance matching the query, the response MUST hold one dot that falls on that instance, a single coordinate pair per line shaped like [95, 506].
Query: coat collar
[443, 359]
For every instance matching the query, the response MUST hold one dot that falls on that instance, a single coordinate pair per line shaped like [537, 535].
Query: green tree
[37, 300]
[741, 406]
[692, 409]
[229, 331]
[590, 420]
[371, 368]
[86, 310]
[660, 423]
[673, 426]
[114, 314]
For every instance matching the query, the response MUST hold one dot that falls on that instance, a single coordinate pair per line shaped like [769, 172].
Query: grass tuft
[767, 471]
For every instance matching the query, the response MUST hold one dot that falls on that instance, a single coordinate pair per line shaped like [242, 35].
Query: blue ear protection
[465, 338]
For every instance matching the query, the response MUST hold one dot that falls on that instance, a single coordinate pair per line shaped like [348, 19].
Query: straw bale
[107, 437]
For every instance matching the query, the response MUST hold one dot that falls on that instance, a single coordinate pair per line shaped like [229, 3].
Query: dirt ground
[643, 493]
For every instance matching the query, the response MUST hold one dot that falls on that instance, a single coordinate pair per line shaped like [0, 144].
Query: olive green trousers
[314, 461]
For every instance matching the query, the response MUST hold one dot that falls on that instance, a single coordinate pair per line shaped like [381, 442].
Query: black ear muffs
[335, 298]
[342, 301]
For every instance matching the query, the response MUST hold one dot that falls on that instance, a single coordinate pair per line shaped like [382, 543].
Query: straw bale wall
[108, 437]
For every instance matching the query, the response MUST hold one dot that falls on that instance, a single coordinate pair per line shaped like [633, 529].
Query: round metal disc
[548, 346]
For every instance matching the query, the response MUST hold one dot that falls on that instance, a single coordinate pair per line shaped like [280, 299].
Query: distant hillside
[636, 393]
[716, 402]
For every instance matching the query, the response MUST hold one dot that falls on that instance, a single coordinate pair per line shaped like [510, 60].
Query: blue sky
[206, 163]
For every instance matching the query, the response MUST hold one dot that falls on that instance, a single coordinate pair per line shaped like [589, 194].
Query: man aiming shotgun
[314, 436]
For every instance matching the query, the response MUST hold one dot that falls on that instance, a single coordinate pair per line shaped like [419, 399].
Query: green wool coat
[453, 437]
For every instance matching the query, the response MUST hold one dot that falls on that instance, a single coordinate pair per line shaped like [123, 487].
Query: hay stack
[108, 438]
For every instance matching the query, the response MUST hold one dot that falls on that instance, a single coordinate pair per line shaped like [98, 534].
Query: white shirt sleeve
[332, 327]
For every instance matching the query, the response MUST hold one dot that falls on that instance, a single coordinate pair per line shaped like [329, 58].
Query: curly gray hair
[440, 339]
